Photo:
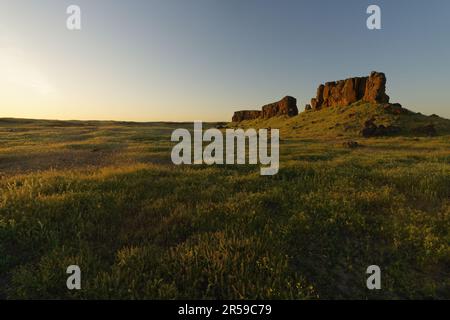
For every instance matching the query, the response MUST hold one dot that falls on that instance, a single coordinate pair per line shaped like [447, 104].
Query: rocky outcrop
[345, 92]
[285, 107]
[370, 129]
[395, 108]
[246, 115]
[428, 130]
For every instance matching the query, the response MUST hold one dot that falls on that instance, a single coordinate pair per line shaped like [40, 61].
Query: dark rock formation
[351, 144]
[376, 88]
[395, 108]
[428, 130]
[286, 106]
[370, 129]
[308, 107]
[246, 115]
[345, 92]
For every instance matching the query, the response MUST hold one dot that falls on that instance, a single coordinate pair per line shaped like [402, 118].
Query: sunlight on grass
[109, 199]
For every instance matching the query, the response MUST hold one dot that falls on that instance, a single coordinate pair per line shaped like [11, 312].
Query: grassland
[347, 122]
[105, 196]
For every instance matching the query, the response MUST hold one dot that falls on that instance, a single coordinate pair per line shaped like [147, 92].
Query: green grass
[105, 196]
[347, 122]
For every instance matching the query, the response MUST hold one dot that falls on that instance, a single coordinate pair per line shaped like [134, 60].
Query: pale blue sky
[203, 59]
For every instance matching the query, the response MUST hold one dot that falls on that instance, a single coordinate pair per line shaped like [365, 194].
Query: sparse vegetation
[347, 121]
[105, 196]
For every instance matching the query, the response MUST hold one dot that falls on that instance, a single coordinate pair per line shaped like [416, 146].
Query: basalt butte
[370, 89]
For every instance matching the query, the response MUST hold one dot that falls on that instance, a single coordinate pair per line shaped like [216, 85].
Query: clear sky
[189, 60]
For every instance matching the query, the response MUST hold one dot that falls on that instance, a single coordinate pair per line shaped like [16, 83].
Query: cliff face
[286, 106]
[345, 92]
[246, 115]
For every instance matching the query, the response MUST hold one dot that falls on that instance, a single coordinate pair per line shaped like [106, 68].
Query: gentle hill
[350, 121]
[357, 106]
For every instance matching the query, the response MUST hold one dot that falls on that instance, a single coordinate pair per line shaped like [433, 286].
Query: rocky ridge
[286, 106]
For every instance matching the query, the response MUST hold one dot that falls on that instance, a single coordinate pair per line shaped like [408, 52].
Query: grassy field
[105, 196]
